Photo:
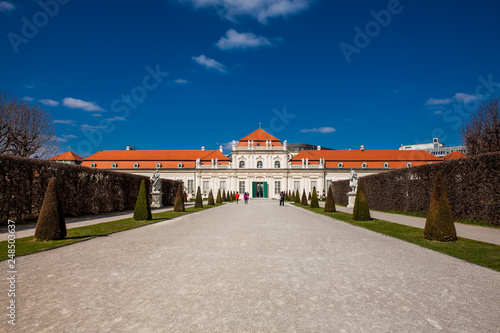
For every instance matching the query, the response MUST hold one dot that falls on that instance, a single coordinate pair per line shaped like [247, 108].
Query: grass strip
[480, 253]
[28, 245]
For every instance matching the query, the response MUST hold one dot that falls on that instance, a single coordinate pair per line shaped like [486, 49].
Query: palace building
[259, 163]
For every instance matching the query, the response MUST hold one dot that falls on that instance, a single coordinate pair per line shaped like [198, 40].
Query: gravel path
[251, 268]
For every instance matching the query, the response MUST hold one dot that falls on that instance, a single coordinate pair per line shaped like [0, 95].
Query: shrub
[224, 198]
[184, 197]
[179, 200]
[211, 198]
[439, 223]
[314, 199]
[286, 196]
[330, 202]
[303, 201]
[297, 197]
[361, 211]
[142, 209]
[219, 198]
[309, 197]
[51, 224]
[198, 202]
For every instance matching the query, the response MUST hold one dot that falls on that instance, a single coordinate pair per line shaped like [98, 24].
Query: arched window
[408, 165]
[136, 165]
[340, 165]
[242, 164]
[114, 165]
[92, 165]
[386, 165]
[277, 164]
[259, 164]
[158, 165]
[364, 165]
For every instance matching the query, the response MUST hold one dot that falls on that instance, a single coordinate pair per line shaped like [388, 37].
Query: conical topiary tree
[224, 198]
[439, 223]
[230, 196]
[292, 196]
[179, 200]
[297, 197]
[211, 201]
[303, 201]
[142, 209]
[184, 196]
[330, 201]
[314, 199]
[361, 212]
[219, 197]
[309, 196]
[51, 224]
[286, 196]
[198, 203]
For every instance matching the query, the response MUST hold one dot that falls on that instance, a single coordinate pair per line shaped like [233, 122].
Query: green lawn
[480, 253]
[28, 245]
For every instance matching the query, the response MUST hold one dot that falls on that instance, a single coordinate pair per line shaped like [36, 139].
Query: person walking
[245, 196]
[237, 196]
[282, 199]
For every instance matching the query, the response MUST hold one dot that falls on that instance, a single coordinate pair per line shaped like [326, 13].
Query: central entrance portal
[259, 190]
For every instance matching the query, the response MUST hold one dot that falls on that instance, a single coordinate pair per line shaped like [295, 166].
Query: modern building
[436, 148]
[259, 164]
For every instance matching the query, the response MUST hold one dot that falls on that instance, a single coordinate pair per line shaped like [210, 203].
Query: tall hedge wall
[84, 191]
[472, 185]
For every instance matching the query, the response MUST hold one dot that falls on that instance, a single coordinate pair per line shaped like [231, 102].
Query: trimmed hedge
[142, 211]
[472, 186]
[84, 191]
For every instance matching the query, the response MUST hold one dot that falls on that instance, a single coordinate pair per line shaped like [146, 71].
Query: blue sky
[179, 74]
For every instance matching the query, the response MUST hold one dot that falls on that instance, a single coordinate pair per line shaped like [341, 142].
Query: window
[340, 165]
[364, 165]
[408, 165]
[114, 165]
[259, 164]
[277, 164]
[92, 165]
[242, 186]
[277, 187]
[242, 164]
[296, 185]
[158, 165]
[222, 185]
[314, 184]
[190, 188]
[180, 165]
[205, 187]
[386, 165]
[136, 165]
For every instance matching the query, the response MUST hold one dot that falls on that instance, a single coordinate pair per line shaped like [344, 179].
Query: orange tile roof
[67, 156]
[374, 159]
[453, 156]
[147, 159]
[259, 136]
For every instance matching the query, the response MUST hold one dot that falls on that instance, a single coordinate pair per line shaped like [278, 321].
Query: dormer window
[92, 165]
[364, 165]
[340, 165]
[242, 164]
[277, 164]
[158, 165]
[386, 165]
[114, 165]
[180, 165]
[259, 164]
[408, 165]
[136, 165]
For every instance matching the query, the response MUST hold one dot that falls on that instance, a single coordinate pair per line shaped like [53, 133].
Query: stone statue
[156, 181]
[353, 181]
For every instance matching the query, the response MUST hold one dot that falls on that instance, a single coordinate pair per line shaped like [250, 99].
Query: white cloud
[435, 101]
[49, 102]
[261, 10]
[464, 98]
[96, 115]
[322, 130]
[438, 112]
[67, 121]
[236, 40]
[459, 97]
[6, 6]
[60, 139]
[74, 103]
[115, 118]
[209, 63]
[90, 128]
[181, 81]
[226, 145]
[28, 99]
[29, 86]
[69, 136]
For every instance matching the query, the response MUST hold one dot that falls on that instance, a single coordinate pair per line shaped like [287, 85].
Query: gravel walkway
[251, 268]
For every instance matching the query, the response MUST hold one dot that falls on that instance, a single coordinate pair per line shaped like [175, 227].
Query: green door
[265, 190]
[254, 189]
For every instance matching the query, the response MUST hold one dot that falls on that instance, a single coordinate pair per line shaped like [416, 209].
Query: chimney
[202, 147]
[221, 149]
[127, 148]
[319, 148]
[362, 148]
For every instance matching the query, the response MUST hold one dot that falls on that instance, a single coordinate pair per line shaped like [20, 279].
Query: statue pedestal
[351, 197]
[156, 200]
